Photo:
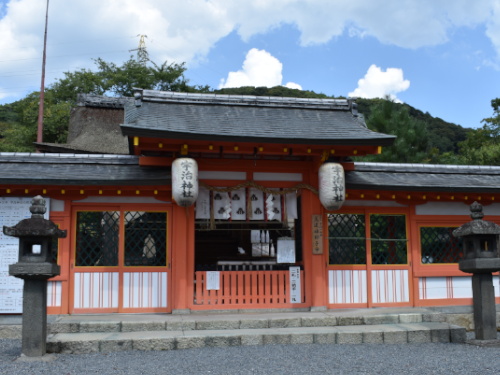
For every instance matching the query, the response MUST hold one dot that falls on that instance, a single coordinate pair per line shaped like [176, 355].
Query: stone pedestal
[483, 295]
[34, 330]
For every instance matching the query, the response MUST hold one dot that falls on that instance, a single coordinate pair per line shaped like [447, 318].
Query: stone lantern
[35, 267]
[481, 258]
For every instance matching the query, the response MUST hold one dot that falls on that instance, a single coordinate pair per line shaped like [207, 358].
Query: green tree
[482, 146]
[412, 143]
[121, 80]
[85, 81]
[281, 91]
[19, 135]
[492, 124]
[19, 132]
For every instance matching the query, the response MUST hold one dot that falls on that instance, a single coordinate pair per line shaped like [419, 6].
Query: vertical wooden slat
[248, 288]
[276, 288]
[199, 288]
[285, 286]
[241, 287]
[226, 288]
[265, 288]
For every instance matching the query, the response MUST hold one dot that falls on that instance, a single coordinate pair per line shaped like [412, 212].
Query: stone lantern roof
[477, 226]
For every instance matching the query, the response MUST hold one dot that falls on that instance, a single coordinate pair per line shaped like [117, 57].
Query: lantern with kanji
[184, 181]
[331, 185]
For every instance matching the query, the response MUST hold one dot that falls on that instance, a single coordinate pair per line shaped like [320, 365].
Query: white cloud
[185, 31]
[493, 27]
[78, 31]
[405, 23]
[379, 84]
[260, 68]
[292, 85]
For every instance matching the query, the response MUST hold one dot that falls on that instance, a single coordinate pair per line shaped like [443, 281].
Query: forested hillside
[440, 137]
[421, 138]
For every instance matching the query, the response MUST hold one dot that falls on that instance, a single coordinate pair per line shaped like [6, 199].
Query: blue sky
[440, 56]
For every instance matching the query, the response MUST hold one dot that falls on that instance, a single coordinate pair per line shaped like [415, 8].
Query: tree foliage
[20, 134]
[280, 91]
[443, 136]
[420, 137]
[19, 130]
[412, 144]
[482, 146]
[120, 80]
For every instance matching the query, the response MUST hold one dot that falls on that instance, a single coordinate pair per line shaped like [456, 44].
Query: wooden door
[120, 259]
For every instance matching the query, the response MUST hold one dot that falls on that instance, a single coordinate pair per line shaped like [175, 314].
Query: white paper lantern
[331, 186]
[184, 181]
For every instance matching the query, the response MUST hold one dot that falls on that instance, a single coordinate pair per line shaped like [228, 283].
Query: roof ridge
[95, 100]
[66, 156]
[455, 167]
[213, 98]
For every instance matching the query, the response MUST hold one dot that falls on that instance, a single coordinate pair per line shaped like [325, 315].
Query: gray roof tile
[78, 169]
[248, 119]
[123, 170]
[424, 177]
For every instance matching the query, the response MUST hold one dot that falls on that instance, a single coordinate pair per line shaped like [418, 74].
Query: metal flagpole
[39, 137]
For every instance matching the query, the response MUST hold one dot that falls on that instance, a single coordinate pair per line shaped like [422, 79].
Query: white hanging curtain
[222, 205]
[291, 206]
[257, 204]
[238, 204]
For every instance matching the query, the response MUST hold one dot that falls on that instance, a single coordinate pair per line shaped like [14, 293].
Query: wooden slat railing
[248, 289]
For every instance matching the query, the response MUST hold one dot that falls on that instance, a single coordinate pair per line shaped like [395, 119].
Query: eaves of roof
[78, 169]
[424, 177]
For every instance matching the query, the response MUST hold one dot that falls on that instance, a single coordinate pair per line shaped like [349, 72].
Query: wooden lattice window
[346, 238]
[438, 245]
[98, 238]
[388, 239]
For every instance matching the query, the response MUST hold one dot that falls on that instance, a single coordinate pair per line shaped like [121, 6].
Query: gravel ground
[274, 359]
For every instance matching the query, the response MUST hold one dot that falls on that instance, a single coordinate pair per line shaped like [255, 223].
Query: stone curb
[144, 323]
[231, 322]
[80, 343]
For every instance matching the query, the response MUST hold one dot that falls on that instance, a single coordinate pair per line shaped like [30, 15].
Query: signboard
[295, 293]
[213, 280]
[286, 250]
[317, 234]
[12, 211]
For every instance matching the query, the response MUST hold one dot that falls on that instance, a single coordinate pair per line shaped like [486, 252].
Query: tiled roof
[424, 177]
[78, 169]
[104, 169]
[248, 118]
[91, 100]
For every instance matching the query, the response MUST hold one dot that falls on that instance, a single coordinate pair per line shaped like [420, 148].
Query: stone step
[391, 333]
[194, 322]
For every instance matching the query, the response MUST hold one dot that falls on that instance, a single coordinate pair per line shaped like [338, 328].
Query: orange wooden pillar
[182, 258]
[314, 264]
[63, 221]
[414, 256]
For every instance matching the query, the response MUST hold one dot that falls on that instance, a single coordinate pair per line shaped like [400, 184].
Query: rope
[259, 187]
[249, 203]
